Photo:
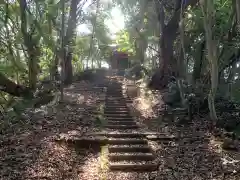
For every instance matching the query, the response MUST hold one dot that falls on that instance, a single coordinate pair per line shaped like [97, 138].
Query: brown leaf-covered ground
[28, 149]
[197, 155]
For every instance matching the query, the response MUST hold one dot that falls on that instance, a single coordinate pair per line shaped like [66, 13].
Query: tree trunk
[70, 41]
[238, 13]
[32, 71]
[12, 88]
[54, 67]
[68, 69]
[168, 36]
[181, 64]
[31, 44]
[198, 63]
[208, 12]
[61, 53]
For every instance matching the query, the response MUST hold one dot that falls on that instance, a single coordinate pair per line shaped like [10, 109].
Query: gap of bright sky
[115, 23]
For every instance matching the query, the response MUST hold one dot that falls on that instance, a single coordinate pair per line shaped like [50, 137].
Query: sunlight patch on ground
[215, 145]
[103, 163]
[145, 107]
[227, 161]
[154, 145]
[70, 134]
[72, 86]
[128, 176]
[79, 98]
[90, 169]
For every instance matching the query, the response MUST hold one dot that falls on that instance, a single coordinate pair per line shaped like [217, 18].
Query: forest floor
[196, 155]
[29, 150]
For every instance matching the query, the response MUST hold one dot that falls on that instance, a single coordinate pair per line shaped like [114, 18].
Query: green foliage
[42, 27]
[123, 42]
[140, 38]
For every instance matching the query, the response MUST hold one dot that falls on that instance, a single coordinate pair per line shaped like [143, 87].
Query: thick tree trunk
[12, 88]
[208, 11]
[32, 72]
[68, 69]
[55, 75]
[70, 40]
[198, 63]
[168, 64]
[31, 44]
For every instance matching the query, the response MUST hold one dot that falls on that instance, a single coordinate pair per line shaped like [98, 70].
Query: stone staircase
[128, 147]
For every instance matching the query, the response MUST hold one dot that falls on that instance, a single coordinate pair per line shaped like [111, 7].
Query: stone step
[114, 101]
[111, 100]
[129, 148]
[133, 166]
[119, 134]
[121, 122]
[121, 126]
[110, 118]
[126, 141]
[119, 114]
[116, 106]
[114, 90]
[125, 135]
[114, 97]
[131, 156]
[164, 138]
[116, 111]
[122, 116]
[122, 105]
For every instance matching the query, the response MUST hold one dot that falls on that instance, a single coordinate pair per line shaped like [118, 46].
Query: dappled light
[31, 141]
[145, 107]
[195, 154]
[119, 89]
[90, 169]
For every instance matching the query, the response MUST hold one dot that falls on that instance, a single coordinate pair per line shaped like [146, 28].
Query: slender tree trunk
[62, 52]
[94, 23]
[184, 64]
[238, 13]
